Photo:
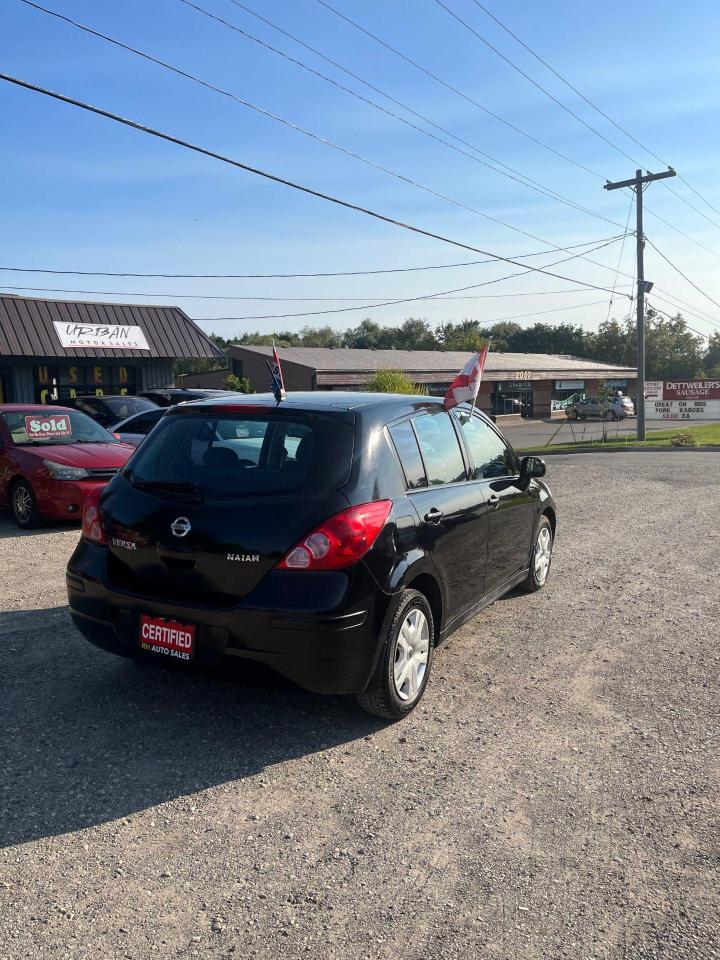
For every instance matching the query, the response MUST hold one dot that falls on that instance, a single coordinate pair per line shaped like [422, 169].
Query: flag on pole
[278, 384]
[466, 384]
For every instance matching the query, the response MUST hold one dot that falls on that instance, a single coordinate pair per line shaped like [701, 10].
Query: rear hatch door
[212, 500]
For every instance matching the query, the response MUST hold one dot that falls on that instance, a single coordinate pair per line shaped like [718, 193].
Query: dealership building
[58, 349]
[527, 383]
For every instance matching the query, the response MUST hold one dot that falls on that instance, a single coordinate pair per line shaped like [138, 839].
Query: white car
[133, 430]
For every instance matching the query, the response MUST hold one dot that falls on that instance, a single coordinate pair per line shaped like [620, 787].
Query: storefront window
[512, 396]
[82, 380]
[565, 390]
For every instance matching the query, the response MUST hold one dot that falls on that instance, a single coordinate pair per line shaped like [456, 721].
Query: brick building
[526, 383]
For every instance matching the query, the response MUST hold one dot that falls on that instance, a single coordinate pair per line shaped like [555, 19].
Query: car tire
[540, 557]
[399, 681]
[23, 505]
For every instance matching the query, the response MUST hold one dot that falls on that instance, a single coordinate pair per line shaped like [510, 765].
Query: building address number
[523, 375]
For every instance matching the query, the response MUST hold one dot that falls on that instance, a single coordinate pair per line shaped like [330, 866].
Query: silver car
[133, 430]
[614, 408]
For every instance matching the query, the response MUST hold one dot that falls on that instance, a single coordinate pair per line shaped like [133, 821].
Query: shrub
[683, 438]
[393, 381]
[240, 384]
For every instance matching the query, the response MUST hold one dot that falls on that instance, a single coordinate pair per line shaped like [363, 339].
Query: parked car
[51, 459]
[336, 537]
[108, 410]
[169, 396]
[134, 429]
[614, 408]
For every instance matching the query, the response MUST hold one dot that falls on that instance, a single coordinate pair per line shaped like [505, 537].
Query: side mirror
[532, 467]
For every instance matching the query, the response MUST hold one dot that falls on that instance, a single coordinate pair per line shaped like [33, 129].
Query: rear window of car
[124, 407]
[228, 455]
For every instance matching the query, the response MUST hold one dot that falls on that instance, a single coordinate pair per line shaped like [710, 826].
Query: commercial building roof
[26, 329]
[347, 365]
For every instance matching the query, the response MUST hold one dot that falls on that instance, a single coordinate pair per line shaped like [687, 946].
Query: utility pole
[643, 286]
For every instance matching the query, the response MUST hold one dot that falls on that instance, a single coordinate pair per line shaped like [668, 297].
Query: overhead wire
[395, 302]
[288, 276]
[587, 100]
[622, 251]
[285, 316]
[275, 178]
[298, 299]
[683, 275]
[179, 71]
[595, 107]
[469, 99]
[491, 162]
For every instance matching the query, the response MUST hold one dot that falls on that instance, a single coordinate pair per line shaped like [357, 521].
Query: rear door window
[227, 455]
[440, 448]
[406, 445]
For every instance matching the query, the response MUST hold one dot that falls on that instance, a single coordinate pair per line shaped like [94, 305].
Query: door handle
[493, 501]
[434, 515]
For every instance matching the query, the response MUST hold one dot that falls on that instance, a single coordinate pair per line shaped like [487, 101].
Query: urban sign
[108, 336]
[682, 400]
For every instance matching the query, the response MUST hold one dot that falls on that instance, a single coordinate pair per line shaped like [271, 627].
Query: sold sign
[38, 428]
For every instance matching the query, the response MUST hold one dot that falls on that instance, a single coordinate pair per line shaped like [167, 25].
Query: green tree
[711, 362]
[239, 384]
[393, 381]
[671, 350]
[465, 335]
[368, 335]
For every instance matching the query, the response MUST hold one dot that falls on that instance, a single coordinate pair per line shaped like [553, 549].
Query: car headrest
[220, 457]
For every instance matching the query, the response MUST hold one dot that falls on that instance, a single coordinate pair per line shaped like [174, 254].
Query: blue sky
[79, 192]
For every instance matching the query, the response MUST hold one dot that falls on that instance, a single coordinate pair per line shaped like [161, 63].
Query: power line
[496, 116]
[683, 275]
[496, 165]
[275, 178]
[677, 230]
[289, 276]
[662, 313]
[531, 80]
[595, 107]
[458, 92]
[298, 299]
[285, 316]
[288, 123]
[389, 303]
[622, 250]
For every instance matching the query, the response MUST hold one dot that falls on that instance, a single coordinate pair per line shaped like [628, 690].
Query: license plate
[167, 637]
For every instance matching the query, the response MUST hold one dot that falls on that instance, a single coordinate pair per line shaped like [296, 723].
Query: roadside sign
[682, 400]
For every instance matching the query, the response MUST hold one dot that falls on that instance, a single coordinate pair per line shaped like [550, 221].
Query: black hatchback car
[337, 537]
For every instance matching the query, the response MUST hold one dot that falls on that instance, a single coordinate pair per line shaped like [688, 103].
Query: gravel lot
[555, 796]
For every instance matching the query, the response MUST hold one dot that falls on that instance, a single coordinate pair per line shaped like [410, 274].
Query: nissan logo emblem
[181, 527]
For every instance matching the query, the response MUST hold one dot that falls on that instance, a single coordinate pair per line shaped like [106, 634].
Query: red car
[51, 458]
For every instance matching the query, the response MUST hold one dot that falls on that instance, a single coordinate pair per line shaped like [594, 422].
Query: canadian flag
[466, 384]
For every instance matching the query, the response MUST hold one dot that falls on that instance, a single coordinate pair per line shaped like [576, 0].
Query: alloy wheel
[22, 504]
[543, 553]
[411, 655]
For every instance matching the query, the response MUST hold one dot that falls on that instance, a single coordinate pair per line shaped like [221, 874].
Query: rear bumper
[330, 651]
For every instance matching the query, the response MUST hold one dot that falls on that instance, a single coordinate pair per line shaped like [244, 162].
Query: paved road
[533, 434]
[555, 797]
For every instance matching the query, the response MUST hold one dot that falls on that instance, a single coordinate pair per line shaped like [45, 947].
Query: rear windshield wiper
[170, 486]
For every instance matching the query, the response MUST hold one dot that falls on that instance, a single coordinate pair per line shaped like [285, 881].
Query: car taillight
[91, 525]
[339, 541]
